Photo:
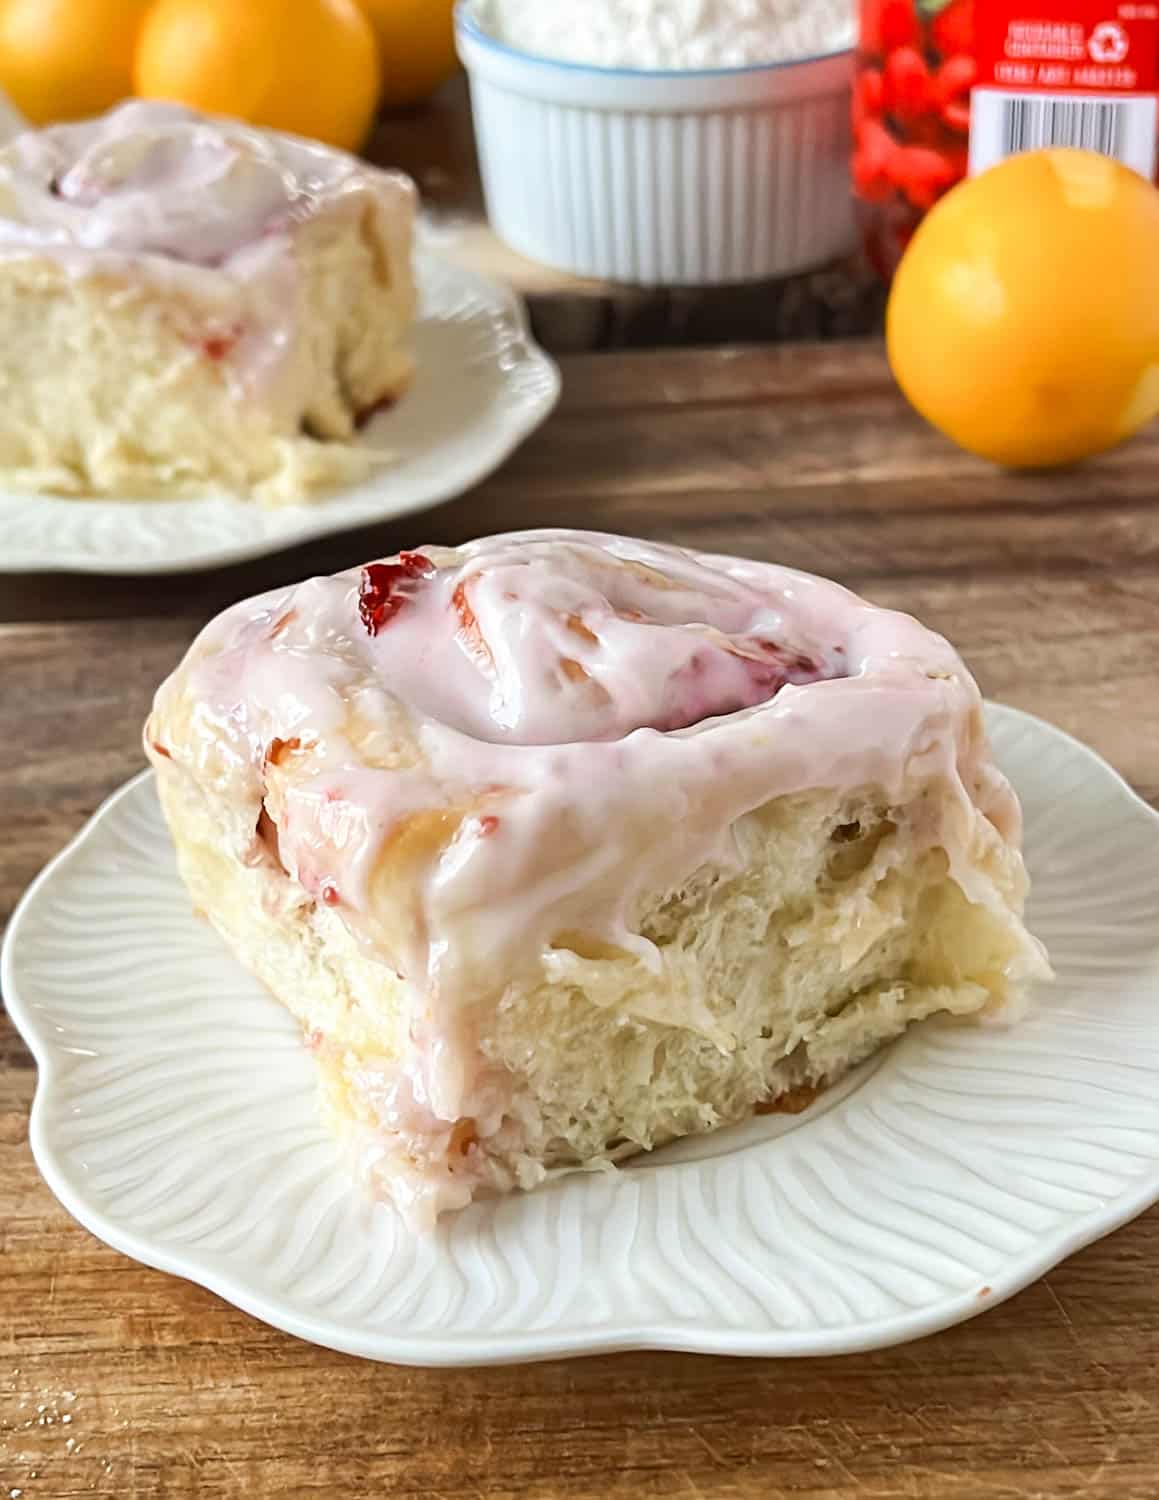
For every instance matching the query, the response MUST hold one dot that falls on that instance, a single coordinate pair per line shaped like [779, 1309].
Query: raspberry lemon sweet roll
[561, 845]
[190, 305]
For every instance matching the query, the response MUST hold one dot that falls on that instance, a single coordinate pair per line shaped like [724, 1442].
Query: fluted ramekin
[662, 178]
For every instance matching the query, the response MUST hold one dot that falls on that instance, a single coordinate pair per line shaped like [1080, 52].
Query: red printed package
[950, 87]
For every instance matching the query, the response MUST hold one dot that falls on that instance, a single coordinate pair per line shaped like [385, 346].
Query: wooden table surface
[117, 1380]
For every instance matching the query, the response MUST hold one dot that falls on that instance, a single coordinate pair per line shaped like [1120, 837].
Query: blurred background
[383, 77]
[703, 172]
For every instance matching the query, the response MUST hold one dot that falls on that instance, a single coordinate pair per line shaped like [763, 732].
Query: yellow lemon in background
[306, 66]
[63, 59]
[1024, 317]
[416, 42]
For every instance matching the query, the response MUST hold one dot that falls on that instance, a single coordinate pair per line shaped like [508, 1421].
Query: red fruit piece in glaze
[907, 86]
[385, 587]
[469, 636]
[277, 750]
[375, 602]
[951, 30]
[217, 346]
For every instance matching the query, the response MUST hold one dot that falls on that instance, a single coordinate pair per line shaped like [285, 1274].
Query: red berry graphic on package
[873, 175]
[950, 25]
[923, 175]
[954, 80]
[911, 114]
[907, 84]
[887, 24]
[868, 97]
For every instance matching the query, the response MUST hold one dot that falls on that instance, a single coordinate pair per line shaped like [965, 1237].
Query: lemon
[1023, 320]
[416, 42]
[306, 66]
[63, 59]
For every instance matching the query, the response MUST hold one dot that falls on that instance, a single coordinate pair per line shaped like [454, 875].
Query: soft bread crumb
[114, 387]
[841, 927]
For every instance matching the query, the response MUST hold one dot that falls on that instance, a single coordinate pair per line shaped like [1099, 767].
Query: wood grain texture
[1049, 584]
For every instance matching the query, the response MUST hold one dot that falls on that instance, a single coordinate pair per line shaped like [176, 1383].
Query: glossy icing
[204, 208]
[551, 728]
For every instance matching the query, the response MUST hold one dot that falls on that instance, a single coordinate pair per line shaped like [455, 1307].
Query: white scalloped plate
[481, 387]
[175, 1118]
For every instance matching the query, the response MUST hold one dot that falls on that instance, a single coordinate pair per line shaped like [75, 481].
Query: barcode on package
[1003, 124]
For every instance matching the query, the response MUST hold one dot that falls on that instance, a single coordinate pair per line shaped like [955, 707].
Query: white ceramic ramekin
[675, 179]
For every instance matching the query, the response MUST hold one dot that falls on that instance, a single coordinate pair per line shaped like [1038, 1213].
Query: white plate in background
[175, 1118]
[481, 386]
